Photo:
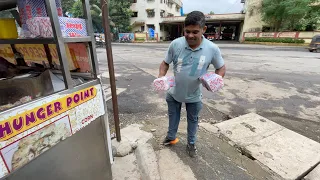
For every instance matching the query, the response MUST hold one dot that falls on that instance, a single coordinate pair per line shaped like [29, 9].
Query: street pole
[107, 34]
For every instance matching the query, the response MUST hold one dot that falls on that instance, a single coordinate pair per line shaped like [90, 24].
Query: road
[279, 83]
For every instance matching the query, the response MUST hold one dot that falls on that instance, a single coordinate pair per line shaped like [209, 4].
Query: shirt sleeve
[170, 54]
[217, 60]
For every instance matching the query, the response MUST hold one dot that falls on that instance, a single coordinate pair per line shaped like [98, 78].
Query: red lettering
[5, 129]
[25, 50]
[87, 119]
[76, 98]
[30, 119]
[86, 94]
[91, 90]
[41, 114]
[17, 124]
[36, 52]
[49, 110]
[81, 96]
[69, 101]
[57, 107]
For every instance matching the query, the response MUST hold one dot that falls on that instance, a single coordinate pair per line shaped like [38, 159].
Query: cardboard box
[34, 8]
[70, 27]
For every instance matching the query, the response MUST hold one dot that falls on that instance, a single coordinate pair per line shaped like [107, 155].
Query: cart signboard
[27, 132]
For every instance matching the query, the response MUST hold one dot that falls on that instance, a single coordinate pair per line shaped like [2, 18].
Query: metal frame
[60, 42]
[61, 49]
[92, 45]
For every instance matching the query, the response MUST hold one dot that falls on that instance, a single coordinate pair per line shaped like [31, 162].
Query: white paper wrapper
[212, 82]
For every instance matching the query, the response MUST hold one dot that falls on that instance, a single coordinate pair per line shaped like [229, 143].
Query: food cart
[53, 115]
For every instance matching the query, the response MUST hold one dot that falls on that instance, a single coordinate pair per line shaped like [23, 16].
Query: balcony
[178, 2]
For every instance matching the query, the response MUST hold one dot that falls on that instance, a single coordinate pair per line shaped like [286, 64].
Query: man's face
[193, 34]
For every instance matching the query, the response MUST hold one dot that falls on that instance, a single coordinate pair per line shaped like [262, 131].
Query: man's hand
[221, 71]
[163, 69]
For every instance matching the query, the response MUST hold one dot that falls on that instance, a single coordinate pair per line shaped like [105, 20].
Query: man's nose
[190, 35]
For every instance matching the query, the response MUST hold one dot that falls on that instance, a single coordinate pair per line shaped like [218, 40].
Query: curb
[277, 44]
[147, 162]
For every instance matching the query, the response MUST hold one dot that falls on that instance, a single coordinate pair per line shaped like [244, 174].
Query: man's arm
[163, 69]
[221, 71]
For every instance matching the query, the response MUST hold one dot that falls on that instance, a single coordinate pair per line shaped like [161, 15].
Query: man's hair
[195, 18]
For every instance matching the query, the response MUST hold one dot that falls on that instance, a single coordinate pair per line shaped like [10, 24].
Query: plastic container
[8, 28]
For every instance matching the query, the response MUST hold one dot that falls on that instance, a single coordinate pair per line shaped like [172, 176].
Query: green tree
[120, 13]
[67, 5]
[96, 13]
[211, 13]
[289, 14]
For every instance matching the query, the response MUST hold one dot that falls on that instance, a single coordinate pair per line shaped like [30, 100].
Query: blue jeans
[174, 112]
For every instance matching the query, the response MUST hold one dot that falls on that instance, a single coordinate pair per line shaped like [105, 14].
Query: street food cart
[53, 115]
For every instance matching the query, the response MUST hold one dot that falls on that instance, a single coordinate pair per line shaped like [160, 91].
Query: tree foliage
[290, 14]
[211, 13]
[77, 11]
[120, 14]
[67, 5]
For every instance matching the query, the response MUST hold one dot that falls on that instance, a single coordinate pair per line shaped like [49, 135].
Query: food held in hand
[163, 83]
[212, 82]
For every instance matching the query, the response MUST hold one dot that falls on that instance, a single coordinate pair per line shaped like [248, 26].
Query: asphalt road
[279, 83]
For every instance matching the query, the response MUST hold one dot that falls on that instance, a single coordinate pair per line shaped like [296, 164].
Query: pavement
[279, 84]
[246, 147]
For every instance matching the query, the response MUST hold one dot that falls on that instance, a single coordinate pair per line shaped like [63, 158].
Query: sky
[217, 6]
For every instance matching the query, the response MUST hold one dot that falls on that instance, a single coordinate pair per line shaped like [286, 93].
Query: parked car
[315, 44]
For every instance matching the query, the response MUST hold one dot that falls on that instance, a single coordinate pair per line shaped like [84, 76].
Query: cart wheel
[311, 50]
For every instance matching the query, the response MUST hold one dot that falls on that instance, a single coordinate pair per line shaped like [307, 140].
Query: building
[221, 26]
[150, 13]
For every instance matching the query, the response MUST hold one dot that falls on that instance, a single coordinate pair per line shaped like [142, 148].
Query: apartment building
[150, 13]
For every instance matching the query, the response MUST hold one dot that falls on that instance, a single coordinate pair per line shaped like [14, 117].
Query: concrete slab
[125, 168]
[314, 174]
[134, 134]
[247, 129]
[147, 162]
[171, 167]
[209, 128]
[288, 154]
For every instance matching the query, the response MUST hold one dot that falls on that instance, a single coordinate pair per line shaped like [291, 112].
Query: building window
[170, 15]
[161, 1]
[134, 14]
[162, 13]
[150, 12]
[151, 26]
[142, 28]
[177, 8]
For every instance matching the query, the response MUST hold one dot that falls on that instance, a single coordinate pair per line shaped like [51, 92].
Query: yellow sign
[24, 121]
[140, 35]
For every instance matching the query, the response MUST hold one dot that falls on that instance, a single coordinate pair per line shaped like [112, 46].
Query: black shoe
[192, 150]
[168, 142]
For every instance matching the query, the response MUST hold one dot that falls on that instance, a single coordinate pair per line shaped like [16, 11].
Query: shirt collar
[198, 48]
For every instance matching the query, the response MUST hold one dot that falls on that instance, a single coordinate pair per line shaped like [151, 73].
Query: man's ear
[204, 29]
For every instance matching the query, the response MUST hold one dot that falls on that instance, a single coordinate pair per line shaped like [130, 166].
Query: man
[191, 56]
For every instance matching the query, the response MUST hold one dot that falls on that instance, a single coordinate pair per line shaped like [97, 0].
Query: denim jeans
[174, 112]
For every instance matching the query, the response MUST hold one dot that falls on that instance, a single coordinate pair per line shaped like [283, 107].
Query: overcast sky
[217, 6]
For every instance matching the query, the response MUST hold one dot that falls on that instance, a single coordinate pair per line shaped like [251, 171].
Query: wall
[307, 36]
[253, 18]
[141, 7]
